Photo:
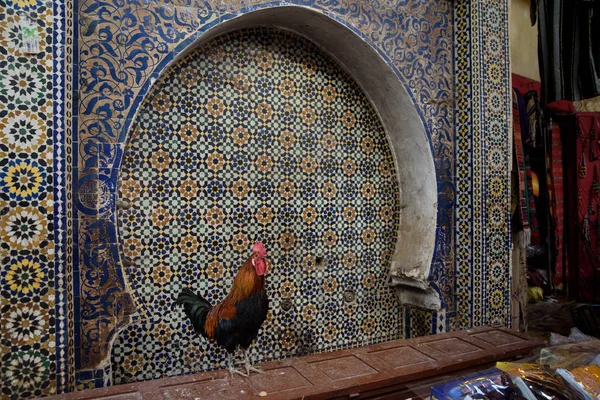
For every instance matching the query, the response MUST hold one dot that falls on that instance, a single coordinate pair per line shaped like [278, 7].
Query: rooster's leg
[232, 369]
[248, 364]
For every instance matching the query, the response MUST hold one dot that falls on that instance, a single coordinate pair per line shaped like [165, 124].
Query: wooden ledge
[362, 372]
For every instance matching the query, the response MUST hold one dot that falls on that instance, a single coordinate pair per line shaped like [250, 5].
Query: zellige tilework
[414, 39]
[47, 116]
[27, 292]
[257, 136]
[483, 163]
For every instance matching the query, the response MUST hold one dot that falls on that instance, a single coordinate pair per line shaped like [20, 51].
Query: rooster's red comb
[259, 248]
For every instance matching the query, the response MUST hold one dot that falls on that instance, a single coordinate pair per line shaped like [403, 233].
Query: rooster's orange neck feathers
[246, 284]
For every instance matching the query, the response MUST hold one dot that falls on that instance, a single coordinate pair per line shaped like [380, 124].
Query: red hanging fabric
[526, 175]
[520, 158]
[556, 186]
[588, 210]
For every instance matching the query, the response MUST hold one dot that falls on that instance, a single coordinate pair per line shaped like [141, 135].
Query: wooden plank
[402, 368]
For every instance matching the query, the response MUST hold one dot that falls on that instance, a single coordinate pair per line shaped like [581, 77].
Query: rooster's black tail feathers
[196, 308]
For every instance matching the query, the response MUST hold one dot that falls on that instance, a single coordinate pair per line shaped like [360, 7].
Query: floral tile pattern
[482, 80]
[36, 134]
[136, 42]
[257, 136]
[27, 324]
[24, 4]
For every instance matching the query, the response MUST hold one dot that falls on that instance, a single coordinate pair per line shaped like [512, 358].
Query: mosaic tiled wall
[118, 64]
[451, 56]
[482, 114]
[28, 318]
[257, 136]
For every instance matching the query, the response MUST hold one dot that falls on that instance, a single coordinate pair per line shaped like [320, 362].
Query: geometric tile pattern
[257, 135]
[27, 292]
[121, 50]
[418, 322]
[496, 164]
[482, 161]
[464, 164]
[467, 129]
[63, 101]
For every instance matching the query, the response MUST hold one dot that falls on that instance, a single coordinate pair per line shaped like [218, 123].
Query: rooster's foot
[231, 368]
[248, 363]
[253, 369]
[235, 371]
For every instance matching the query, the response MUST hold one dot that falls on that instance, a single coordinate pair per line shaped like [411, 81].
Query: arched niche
[408, 140]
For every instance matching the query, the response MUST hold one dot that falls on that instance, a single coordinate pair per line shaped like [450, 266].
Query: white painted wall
[523, 41]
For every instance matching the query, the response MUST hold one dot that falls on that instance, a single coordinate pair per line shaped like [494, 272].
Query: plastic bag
[490, 384]
[534, 294]
[556, 339]
[576, 336]
[534, 383]
[569, 356]
[583, 380]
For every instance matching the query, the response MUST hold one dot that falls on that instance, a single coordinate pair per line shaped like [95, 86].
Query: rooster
[236, 320]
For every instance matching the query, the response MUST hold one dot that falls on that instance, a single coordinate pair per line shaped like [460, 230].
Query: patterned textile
[569, 45]
[587, 105]
[520, 158]
[534, 118]
[528, 213]
[588, 212]
[556, 189]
